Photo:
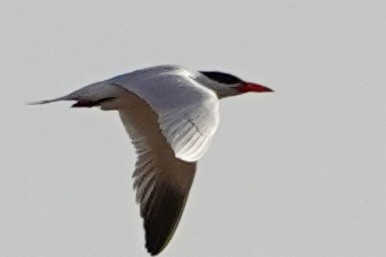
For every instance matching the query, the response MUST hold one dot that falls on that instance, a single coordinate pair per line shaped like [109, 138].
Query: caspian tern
[171, 114]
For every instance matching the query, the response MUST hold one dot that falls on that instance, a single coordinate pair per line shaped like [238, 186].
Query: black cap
[221, 77]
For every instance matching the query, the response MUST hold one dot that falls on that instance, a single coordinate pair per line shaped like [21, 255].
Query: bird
[171, 114]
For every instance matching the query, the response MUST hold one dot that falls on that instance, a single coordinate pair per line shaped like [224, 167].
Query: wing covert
[188, 113]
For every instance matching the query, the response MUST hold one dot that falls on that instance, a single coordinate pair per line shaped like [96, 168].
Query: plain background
[297, 173]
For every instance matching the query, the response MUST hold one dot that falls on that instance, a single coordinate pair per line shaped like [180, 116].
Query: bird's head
[225, 84]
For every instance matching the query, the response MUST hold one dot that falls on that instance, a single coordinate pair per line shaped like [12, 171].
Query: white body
[171, 115]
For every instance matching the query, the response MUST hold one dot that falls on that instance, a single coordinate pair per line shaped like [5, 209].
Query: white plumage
[171, 115]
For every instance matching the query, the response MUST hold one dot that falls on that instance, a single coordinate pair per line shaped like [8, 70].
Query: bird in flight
[171, 114]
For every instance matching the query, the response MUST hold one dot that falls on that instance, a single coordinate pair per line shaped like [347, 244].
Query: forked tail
[63, 98]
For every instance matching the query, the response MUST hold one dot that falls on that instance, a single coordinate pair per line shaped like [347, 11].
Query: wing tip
[153, 252]
[163, 219]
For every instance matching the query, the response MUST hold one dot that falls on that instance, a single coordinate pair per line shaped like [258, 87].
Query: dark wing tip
[163, 217]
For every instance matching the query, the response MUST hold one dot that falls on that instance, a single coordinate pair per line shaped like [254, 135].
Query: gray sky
[298, 173]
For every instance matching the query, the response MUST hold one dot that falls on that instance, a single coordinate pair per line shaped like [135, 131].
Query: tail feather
[87, 96]
[63, 98]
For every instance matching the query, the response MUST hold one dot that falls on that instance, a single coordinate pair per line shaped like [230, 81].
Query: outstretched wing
[171, 128]
[162, 180]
